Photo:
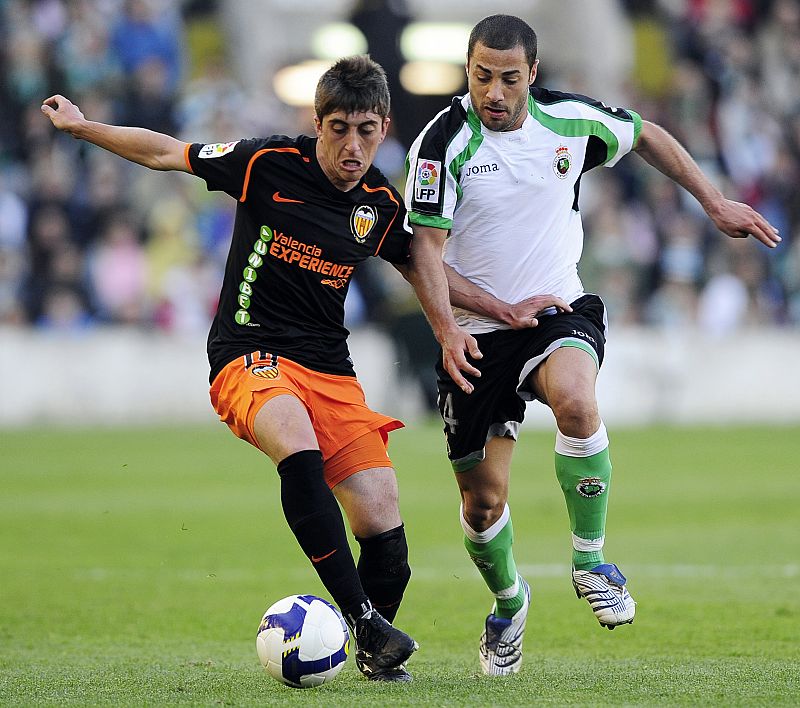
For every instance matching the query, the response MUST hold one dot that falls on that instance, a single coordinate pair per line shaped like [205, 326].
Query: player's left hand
[525, 313]
[456, 346]
[739, 220]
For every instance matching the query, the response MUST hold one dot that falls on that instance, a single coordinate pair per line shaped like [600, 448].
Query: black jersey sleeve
[395, 244]
[224, 166]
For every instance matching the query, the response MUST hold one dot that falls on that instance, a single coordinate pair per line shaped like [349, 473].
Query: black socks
[316, 521]
[383, 568]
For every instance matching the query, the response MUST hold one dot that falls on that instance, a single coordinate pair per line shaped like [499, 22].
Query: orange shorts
[351, 437]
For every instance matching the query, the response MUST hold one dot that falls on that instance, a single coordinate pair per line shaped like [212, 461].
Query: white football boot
[501, 642]
[603, 587]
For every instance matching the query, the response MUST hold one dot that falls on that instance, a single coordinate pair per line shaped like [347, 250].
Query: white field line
[682, 570]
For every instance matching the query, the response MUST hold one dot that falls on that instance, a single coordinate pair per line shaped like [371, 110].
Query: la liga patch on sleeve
[427, 179]
[216, 149]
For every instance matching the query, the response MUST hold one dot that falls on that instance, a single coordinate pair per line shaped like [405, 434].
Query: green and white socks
[583, 469]
[491, 553]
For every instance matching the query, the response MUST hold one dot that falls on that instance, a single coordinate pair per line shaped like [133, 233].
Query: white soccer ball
[303, 641]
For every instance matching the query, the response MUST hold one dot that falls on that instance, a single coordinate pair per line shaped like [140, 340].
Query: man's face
[347, 144]
[498, 81]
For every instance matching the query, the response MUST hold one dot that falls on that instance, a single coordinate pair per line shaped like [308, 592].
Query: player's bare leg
[566, 382]
[370, 501]
[488, 538]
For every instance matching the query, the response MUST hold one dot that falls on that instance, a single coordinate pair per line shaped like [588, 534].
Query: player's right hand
[64, 114]
[456, 346]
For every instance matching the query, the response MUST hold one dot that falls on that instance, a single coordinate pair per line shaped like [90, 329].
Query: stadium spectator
[117, 272]
[13, 261]
[148, 32]
[83, 51]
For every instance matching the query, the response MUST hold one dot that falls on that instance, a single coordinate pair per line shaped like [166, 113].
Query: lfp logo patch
[426, 183]
[216, 149]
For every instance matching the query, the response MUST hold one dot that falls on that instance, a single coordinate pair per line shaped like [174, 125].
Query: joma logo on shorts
[578, 333]
[481, 169]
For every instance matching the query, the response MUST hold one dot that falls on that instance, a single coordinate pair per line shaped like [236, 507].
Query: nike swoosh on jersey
[317, 559]
[285, 200]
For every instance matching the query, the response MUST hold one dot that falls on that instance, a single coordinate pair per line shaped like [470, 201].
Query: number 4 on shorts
[448, 414]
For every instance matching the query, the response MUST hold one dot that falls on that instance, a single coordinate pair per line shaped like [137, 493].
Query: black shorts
[496, 408]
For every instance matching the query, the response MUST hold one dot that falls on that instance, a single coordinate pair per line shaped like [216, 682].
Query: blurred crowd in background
[88, 240]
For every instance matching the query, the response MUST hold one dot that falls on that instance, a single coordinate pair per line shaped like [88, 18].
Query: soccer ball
[303, 641]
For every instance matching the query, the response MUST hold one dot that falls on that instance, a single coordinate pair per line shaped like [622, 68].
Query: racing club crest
[562, 162]
[590, 487]
[362, 220]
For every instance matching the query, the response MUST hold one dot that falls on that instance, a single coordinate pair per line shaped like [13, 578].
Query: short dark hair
[354, 84]
[504, 32]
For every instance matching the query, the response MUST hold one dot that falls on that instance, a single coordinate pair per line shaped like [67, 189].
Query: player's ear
[385, 128]
[534, 70]
[317, 126]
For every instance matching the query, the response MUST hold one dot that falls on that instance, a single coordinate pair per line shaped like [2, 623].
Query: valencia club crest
[362, 220]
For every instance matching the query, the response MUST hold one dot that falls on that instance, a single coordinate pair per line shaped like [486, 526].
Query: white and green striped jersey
[510, 199]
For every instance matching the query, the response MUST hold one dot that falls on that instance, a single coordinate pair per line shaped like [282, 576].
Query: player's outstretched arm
[519, 315]
[426, 275]
[668, 156]
[145, 147]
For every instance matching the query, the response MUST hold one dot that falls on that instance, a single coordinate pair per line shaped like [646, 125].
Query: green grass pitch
[135, 566]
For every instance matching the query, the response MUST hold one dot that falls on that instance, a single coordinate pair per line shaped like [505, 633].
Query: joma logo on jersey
[426, 182]
[481, 169]
[362, 220]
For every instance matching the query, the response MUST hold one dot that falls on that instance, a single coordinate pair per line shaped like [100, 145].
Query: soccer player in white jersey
[494, 178]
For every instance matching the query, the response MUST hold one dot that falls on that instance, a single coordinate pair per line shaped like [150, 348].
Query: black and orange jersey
[296, 241]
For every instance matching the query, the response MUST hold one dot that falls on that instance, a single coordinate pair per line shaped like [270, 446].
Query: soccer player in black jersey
[309, 211]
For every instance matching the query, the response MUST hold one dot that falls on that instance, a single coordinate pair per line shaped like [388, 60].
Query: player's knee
[481, 511]
[576, 416]
[371, 521]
